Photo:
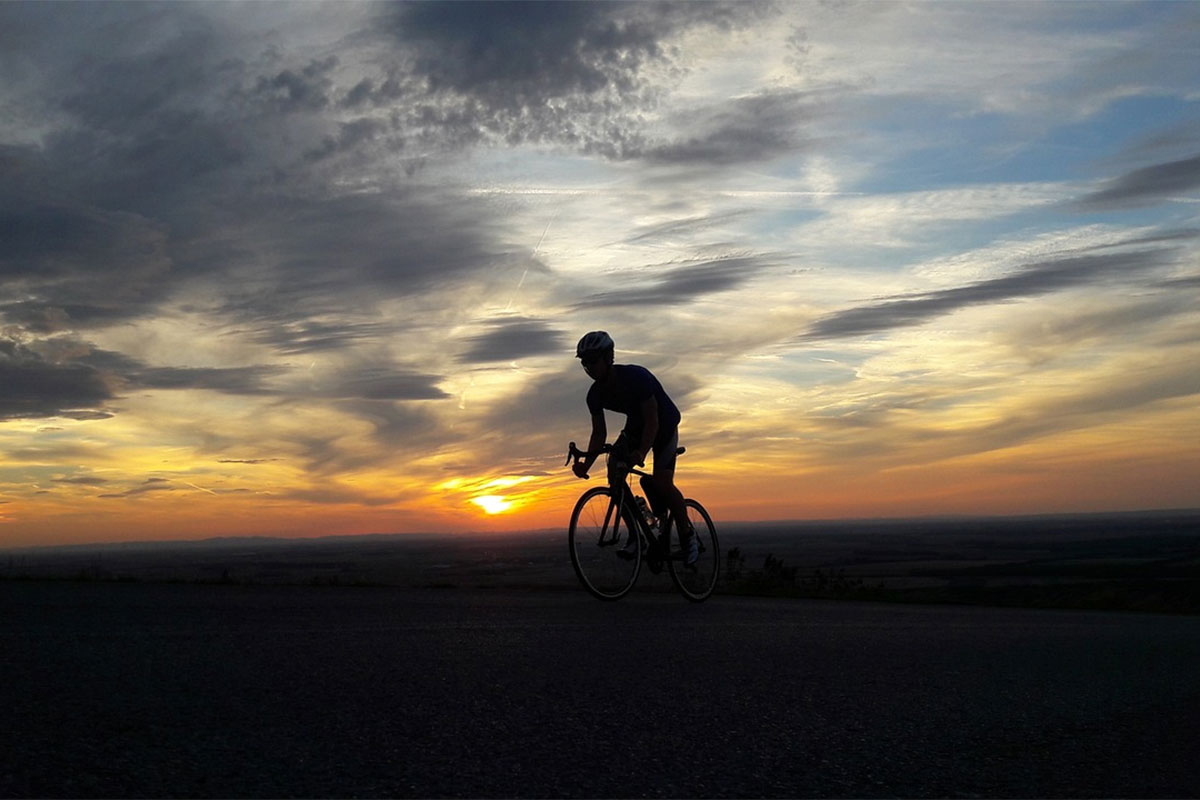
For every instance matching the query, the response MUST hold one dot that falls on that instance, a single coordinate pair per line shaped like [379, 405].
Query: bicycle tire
[595, 540]
[697, 582]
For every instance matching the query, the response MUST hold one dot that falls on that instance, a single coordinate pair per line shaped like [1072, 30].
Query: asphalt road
[183, 690]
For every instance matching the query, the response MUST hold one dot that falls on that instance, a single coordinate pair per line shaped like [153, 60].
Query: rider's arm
[649, 427]
[596, 443]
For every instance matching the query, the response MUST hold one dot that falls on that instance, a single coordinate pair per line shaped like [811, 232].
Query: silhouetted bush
[776, 578]
[735, 562]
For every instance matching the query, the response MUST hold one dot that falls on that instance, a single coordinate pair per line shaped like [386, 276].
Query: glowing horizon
[316, 269]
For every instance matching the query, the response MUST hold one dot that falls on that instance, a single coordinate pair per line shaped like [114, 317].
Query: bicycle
[607, 559]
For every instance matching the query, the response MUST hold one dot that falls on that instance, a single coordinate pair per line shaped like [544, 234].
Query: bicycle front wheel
[697, 581]
[598, 539]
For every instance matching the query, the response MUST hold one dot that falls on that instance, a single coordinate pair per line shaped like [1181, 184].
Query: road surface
[206, 690]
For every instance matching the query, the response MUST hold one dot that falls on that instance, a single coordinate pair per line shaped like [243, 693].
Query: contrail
[532, 256]
[605, 192]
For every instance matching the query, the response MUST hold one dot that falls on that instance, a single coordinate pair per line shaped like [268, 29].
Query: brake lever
[575, 453]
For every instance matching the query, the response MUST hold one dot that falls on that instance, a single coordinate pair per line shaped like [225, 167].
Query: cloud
[1035, 279]
[685, 227]
[743, 130]
[44, 318]
[539, 418]
[548, 411]
[76, 263]
[320, 266]
[83, 480]
[681, 284]
[230, 380]
[381, 383]
[511, 340]
[70, 378]
[518, 54]
[147, 486]
[135, 374]
[305, 90]
[295, 337]
[1104, 397]
[32, 387]
[574, 73]
[1146, 185]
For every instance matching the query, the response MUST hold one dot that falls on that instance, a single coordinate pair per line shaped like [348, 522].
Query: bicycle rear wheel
[697, 581]
[597, 538]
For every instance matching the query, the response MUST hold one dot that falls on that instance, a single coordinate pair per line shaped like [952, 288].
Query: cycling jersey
[624, 392]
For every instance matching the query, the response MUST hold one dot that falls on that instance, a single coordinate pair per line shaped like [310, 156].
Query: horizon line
[283, 539]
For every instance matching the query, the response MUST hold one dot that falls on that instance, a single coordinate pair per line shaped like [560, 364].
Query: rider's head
[595, 351]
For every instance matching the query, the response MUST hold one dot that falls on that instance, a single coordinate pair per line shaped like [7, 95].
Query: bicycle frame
[624, 496]
[595, 530]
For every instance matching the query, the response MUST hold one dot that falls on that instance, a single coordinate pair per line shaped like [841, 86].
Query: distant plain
[1137, 561]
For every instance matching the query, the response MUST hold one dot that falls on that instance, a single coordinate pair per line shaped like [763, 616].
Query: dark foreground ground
[140, 689]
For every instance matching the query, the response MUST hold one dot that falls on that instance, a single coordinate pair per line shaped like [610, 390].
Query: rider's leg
[664, 480]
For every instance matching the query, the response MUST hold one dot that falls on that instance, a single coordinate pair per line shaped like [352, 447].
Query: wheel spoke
[698, 580]
[605, 566]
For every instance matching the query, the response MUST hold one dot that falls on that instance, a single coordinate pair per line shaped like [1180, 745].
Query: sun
[492, 503]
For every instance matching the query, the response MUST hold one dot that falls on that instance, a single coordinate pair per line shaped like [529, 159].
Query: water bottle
[646, 513]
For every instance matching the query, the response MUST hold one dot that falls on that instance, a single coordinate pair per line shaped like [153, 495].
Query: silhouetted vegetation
[777, 579]
[1126, 562]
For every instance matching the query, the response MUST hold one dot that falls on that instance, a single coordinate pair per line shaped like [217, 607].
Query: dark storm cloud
[510, 340]
[41, 318]
[350, 136]
[385, 383]
[306, 89]
[681, 284]
[230, 380]
[33, 390]
[177, 160]
[33, 387]
[1146, 185]
[319, 265]
[134, 374]
[67, 264]
[1036, 279]
[518, 54]
[545, 71]
[76, 252]
[144, 106]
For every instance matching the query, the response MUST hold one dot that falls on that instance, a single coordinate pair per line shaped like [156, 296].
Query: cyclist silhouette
[651, 425]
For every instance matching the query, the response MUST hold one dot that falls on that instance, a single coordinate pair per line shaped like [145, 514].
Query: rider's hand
[580, 470]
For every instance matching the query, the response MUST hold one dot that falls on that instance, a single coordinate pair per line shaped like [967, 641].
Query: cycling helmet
[593, 342]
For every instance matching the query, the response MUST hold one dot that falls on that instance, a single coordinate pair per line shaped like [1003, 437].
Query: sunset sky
[309, 269]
